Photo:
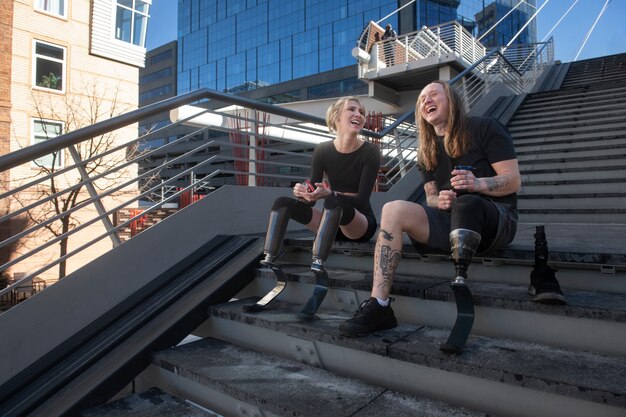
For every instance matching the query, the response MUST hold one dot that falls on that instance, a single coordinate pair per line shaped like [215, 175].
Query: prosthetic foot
[464, 243]
[273, 239]
[321, 249]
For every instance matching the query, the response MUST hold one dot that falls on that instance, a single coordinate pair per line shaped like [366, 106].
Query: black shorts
[439, 222]
[371, 229]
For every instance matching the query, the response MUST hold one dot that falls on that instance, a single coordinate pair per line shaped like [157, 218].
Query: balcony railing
[448, 39]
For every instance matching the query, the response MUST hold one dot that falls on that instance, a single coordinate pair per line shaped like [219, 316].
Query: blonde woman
[343, 174]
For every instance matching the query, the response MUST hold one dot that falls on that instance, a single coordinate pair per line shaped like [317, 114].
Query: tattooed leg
[386, 257]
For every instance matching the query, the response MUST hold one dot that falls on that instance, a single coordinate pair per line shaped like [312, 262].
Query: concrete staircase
[571, 145]
[522, 358]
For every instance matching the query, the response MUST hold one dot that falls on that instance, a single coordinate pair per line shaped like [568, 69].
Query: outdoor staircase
[571, 145]
[522, 358]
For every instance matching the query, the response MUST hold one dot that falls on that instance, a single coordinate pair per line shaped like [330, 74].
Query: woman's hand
[302, 190]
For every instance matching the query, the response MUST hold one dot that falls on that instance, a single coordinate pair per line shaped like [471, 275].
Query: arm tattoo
[388, 259]
[497, 182]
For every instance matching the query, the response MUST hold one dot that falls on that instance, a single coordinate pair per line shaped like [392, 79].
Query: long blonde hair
[457, 140]
[332, 114]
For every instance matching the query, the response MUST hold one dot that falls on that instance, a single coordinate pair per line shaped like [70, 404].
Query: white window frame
[46, 6]
[63, 63]
[35, 138]
[116, 4]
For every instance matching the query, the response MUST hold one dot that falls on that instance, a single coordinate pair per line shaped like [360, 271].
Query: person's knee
[296, 210]
[392, 212]
[348, 213]
[281, 202]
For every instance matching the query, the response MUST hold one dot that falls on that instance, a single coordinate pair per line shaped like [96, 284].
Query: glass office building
[244, 45]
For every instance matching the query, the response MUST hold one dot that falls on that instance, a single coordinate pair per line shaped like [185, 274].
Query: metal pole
[108, 225]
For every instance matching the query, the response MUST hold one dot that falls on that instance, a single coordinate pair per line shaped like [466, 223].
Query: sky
[607, 38]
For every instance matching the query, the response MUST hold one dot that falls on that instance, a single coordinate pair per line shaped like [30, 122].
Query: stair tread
[288, 387]
[580, 304]
[150, 403]
[568, 242]
[589, 376]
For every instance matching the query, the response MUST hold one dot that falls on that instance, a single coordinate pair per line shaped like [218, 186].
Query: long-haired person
[470, 173]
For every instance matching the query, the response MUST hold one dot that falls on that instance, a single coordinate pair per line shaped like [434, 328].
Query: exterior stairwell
[522, 358]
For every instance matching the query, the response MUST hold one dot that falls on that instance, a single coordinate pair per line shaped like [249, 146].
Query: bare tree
[61, 193]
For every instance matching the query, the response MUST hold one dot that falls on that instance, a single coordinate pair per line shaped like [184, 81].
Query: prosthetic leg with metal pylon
[276, 230]
[321, 249]
[464, 243]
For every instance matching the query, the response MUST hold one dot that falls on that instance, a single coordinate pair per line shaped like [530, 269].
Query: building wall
[6, 28]
[230, 45]
[96, 88]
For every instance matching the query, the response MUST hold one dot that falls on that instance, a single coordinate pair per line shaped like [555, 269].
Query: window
[49, 62]
[55, 7]
[131, 21]
[44, 130]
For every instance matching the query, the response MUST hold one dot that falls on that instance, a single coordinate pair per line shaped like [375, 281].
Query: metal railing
[257, 144]
[516, 67]
[447, 39]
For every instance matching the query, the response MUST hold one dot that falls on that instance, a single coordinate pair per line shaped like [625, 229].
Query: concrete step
[557, 124]
[569, 96]
[598, 130]
[508, 374]
[428, 300]
[572, 188]
[151, 403]
[575, 155]
[570, 145]
[551, 165]
[565, 176]
[232, 379]
[590, 203]
[603, 217]
[573, 114]
[588, 257]
[570, 102]
[572, 80]
[578, 109]
[589, 136]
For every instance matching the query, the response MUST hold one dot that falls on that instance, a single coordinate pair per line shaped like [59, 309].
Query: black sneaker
[369, 317]
[544, 286]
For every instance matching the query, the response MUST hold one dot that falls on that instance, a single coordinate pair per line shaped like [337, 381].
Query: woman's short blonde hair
[332, 114]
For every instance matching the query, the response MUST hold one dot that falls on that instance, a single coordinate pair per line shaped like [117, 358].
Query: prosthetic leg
[321, 249]
[273, 239]
[464, 243]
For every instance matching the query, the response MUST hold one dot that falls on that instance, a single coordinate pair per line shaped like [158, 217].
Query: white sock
[383, 303]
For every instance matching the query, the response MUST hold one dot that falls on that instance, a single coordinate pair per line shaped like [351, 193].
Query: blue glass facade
[238, 45]
[225, 44]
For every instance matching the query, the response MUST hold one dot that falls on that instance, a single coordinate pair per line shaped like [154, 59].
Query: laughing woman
[343, 174]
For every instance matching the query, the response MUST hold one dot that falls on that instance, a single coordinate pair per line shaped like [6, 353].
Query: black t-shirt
[491, 142]
[353, 172]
